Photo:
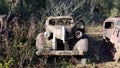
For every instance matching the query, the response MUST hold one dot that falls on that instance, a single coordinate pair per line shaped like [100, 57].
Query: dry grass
[94, 30]
[100, 65]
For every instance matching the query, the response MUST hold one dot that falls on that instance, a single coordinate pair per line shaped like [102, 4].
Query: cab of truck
[111, 36]
[109, 27]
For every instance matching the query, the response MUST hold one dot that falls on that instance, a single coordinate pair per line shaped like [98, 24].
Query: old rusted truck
[111, 35]
[62, 37]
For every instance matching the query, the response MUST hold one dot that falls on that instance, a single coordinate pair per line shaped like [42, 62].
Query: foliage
[65, 64]
[88, 10]
[6, 64]
[3, 7]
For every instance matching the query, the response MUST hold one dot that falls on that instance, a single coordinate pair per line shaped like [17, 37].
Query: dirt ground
[99, 57]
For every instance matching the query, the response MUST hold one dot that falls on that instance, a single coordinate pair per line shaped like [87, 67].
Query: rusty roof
[113, 19]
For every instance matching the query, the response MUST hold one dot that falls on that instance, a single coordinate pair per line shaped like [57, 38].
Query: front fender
[82, 45]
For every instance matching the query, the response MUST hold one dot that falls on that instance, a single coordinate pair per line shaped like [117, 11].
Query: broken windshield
[61, 21]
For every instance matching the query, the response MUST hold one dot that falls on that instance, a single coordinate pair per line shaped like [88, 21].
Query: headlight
[47, 34]
[78, 34]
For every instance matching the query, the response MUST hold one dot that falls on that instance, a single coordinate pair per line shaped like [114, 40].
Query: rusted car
[63, 37]
[111, 35]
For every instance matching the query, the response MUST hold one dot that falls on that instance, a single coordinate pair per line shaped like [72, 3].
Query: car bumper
[61, 53]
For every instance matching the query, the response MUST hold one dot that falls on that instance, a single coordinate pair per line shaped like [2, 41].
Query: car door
[108, 29]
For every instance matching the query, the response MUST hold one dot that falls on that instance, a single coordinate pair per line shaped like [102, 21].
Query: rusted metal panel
[112, 35]
[62, 53]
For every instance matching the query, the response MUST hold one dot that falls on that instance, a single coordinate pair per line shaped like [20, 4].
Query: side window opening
[52, 22]
[118, 34]
[109, 25]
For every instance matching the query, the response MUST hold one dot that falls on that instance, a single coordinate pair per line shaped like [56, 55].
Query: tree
[3, 7]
